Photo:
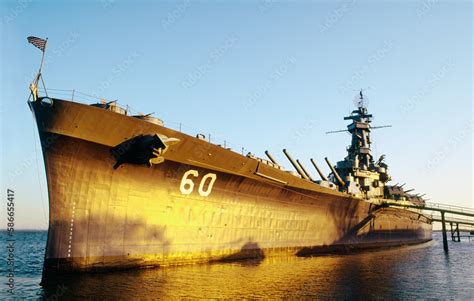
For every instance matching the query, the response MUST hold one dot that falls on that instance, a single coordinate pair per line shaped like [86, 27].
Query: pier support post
[457, 232]
[452, 232]
[445, 238]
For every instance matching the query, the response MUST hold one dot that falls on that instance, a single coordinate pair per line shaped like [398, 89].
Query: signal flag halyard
[37, 42]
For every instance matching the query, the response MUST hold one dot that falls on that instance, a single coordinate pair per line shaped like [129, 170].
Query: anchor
[142, 150]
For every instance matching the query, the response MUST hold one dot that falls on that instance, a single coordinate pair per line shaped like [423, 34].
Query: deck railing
[84, 98]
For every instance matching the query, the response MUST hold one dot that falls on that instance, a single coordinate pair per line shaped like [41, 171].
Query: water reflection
[417, 272]
[377, 274]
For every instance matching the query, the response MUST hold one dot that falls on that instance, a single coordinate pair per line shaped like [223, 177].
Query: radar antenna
[360, 100]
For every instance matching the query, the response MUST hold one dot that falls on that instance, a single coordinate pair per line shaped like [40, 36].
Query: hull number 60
[187, 184]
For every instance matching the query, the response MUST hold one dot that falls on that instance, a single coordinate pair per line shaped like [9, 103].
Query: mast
[359, 151]
[361, 174]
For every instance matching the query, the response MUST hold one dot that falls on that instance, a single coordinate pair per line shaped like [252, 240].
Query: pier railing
[457, 210]
[443, 209]
[450, 208]
[454, 220]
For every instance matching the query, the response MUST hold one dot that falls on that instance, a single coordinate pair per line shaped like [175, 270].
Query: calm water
[422, 271]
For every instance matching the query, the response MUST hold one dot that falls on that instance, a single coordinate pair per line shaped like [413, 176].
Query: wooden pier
[454, 221]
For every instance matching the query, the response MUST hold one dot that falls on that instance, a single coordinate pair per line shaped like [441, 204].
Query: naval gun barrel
[336, 174]
[295, 165]
[409, 190]
[304, 170]
[323, 177]
[271, 157]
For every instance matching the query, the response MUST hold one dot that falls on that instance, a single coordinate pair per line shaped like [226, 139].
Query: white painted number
[212, 178]
[187, 185]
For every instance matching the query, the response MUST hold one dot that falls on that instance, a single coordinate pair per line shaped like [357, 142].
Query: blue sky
[259, 74]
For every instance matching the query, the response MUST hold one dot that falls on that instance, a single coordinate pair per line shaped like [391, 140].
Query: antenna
[339, 131]
[380, 127]
[372, 128]
[360, 100]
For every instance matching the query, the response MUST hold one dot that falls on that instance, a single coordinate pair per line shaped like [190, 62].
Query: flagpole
[42, 61]
[44, 86]
[38, 43]
[41, 67]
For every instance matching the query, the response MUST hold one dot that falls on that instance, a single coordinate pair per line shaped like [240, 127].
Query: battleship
[126, 191]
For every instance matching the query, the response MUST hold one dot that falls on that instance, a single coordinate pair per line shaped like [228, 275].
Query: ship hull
[203, 203]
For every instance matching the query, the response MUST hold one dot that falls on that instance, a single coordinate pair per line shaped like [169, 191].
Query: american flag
[40, 43]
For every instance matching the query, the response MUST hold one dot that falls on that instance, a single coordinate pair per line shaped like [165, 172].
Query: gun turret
[271, 157]
[295, 165]
[323, 177]
[336, 174]
[304, 170]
